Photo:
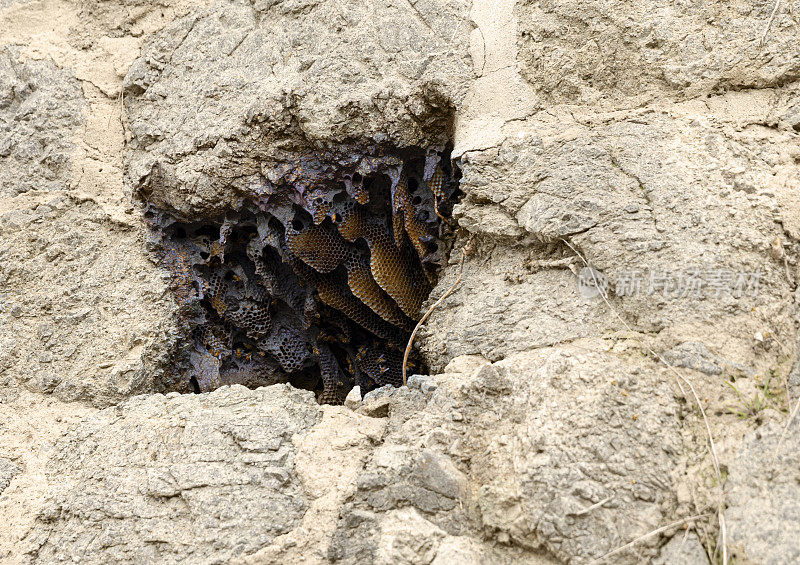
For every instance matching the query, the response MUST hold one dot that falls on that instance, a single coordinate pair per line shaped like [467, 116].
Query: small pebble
[416, 381]
[377, 408]
[428, 386]
[385, 390]
[353, 398]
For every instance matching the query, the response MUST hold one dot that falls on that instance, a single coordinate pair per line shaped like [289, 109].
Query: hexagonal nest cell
[316, 279]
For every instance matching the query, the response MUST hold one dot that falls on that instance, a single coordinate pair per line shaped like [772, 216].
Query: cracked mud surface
[647, 139]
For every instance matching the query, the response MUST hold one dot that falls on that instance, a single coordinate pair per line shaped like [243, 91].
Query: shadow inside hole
[318, 292]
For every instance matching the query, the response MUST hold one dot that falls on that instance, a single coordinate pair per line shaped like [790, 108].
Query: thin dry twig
[563, 263]
[712, 447]
[464, 252]
[792, 416]
[649, 535]
[769, 23]
[706, 538]
[436, 210]
[723, 534]
[593, 506]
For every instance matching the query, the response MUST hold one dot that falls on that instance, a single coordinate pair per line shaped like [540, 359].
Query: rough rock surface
[222, 97]
[30, 425]
[487, 450]
[763, 517]
[474, 464]
[642, 139]
[683, 548]
[40, 109]
[652, 50]
[83, 310]
[157, 479]
[8, 470]
[648, 193]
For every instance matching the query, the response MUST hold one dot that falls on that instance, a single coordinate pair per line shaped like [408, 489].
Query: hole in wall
[320, 282]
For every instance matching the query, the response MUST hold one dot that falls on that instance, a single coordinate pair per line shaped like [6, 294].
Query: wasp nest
[317, 279]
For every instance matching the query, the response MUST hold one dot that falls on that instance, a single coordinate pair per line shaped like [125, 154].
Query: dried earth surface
[660, 145]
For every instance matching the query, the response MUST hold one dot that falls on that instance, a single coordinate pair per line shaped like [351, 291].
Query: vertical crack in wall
[317, 278]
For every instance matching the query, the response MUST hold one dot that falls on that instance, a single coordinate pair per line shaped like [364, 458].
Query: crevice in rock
[316, 278]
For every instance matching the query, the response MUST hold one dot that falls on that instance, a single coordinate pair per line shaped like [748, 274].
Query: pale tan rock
[406, 537]
[353, 399]
[639, 136]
